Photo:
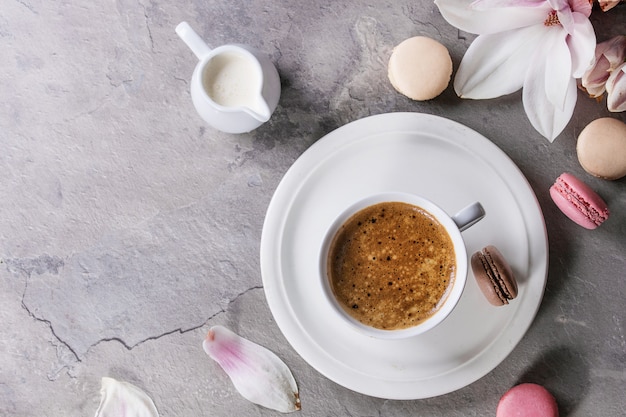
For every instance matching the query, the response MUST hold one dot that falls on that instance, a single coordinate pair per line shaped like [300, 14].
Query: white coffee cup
[453, 225]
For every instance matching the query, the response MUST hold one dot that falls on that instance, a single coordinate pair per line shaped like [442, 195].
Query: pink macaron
[527, 400]
[579, 202]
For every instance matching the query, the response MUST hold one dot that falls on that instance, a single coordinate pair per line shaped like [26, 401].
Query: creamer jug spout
[259, 110]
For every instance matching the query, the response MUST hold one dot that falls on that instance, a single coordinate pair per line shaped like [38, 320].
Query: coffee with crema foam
[391, 265]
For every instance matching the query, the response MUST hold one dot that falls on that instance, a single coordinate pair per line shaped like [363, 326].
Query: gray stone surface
[129, 227]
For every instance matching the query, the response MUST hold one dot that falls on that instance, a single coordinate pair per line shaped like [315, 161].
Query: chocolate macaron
[494, 276]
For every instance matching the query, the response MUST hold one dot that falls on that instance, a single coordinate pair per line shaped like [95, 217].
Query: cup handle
[193, 40]
[469, 216]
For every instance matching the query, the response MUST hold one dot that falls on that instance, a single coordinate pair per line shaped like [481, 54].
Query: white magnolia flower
[540, 45]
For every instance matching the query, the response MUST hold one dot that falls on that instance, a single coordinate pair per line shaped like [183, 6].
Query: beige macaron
[420, 68]
[601, 148]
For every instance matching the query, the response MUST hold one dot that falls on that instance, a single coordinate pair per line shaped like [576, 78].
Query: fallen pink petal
[257, 373]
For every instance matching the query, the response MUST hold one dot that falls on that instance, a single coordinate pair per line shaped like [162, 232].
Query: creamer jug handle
[197, 45]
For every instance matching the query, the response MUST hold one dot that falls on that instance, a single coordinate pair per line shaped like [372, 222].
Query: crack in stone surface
[147, 21]
[40, 265]
[52, 265]
[178, 330]
[52, 332]
[27, 6]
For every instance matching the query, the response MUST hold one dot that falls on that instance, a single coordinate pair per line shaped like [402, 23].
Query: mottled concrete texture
[129, 227]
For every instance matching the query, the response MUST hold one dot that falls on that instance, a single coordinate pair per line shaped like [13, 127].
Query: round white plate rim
[285, 316]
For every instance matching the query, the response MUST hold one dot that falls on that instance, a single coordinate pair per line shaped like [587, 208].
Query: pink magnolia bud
[607, 5]
[609, 55]
[616, 89]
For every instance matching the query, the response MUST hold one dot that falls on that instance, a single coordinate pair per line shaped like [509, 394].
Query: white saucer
[447, 163]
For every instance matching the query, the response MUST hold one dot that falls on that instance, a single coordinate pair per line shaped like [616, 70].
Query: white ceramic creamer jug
[234, 88]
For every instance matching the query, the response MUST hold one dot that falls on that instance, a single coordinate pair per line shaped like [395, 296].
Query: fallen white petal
[257, 373]
[124, 399]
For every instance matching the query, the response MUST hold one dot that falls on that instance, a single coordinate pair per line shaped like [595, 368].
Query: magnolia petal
[566, 19]
[494, 4]
[566, 9]
[124, 399]
[616, 89]
[485, 18]
[547, 119]
[495, 65]
[257, 373]
[582, 45]
[558, 67]
[558, 4]
[581, 6]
